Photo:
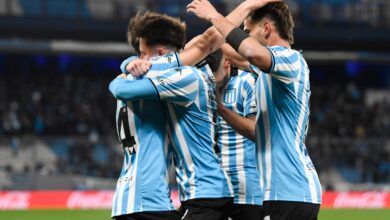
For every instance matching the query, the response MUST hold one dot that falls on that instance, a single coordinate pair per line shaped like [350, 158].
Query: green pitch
[56, 215]
[354, 214]
[325, 214]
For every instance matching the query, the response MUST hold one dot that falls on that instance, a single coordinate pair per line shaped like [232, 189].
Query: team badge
[230, 96]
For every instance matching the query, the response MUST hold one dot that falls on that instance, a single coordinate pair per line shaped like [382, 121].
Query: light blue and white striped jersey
[286, 170]
[238, 153]
[191, 107]
[141, 126]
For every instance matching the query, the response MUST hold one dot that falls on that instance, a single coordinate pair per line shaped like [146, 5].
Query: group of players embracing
[230, 108]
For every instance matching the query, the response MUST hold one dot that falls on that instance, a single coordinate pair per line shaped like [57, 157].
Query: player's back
[283, 99]
[143, 182]
[190, 98]
[238, 153]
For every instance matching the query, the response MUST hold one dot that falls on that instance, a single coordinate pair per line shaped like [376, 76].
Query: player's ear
[161, 51]
[266, 29]
[226, 66]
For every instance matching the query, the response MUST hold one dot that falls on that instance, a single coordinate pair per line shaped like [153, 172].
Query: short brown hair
[281, 15]
[156, 29]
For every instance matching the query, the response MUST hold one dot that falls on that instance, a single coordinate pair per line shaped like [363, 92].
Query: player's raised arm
[126, 90]
[201, 46]
[234, 58]
[247, 46]
[212, 39]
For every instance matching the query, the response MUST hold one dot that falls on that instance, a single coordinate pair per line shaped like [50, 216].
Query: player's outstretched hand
[138, 67]
[203, 9]
[255, 4]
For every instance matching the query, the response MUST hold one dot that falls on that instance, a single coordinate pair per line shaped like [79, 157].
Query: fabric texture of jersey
[143, 182]
[190, 94]
[286, 170]
[238, 153]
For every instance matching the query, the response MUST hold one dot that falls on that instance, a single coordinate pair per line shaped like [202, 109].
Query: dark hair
[156, 29]
[133, 41]
[280, 14]
[214, 60]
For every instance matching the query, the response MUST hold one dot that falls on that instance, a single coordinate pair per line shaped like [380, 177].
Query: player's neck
[277, 41]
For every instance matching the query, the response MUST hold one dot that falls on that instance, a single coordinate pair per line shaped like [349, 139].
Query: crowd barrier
[21, 200]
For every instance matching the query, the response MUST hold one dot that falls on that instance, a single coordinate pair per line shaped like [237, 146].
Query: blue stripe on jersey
[283, 98]
[199, 173]
[237, 152]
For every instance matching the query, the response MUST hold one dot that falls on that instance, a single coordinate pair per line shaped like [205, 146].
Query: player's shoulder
[247, 76]
[281, 51]
[188, 70]
[181, 72]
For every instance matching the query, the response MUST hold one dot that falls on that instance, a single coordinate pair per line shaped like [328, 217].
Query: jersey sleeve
[286, 64]
[254, 69]
[178, 85]
[127, 90]
[248, 95]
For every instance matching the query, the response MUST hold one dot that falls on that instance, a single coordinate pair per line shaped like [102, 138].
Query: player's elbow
[116, 90]
[250, 131]
[252, 135]
[250, 53]
[210, 41]
[257, 57]
[113, 89]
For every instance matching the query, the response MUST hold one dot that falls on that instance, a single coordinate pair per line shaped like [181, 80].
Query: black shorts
[284, 210]
[165, 215]
[206, 209]
[245, 212]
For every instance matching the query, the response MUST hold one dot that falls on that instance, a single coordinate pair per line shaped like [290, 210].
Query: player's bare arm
[202, 45]
[247, 46]
[234, 58]
[196, 50]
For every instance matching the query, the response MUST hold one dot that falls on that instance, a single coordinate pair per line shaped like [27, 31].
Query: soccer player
[203, 185]
[141, 129]
[291, 186]
[238, 156]
[142, 191]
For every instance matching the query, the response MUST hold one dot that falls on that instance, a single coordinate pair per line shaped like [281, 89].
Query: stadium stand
[53, 98]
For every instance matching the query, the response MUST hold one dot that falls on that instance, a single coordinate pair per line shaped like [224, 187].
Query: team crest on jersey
[230, 96]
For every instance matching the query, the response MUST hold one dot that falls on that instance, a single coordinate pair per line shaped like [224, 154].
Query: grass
[56, 215]
[325, 214]
[354, 214]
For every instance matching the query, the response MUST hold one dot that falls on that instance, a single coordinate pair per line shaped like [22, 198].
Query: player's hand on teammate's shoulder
[203, 9]
[138, 67]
